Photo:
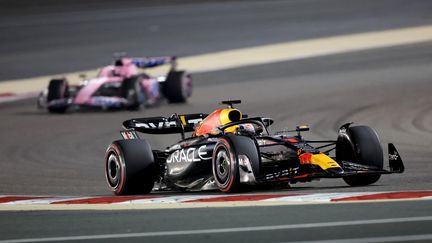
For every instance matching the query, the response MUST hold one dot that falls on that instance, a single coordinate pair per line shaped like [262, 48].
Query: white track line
[320, 197]
[170, 199]
[265, 54]
[288, 51]
[224, 230]
[45, 201]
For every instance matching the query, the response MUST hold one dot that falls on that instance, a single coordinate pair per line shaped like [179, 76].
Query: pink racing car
[119, 86]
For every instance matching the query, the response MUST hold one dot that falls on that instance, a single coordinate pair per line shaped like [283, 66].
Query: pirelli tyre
[177, 87]
[129, 167]
[361, 145]
[225, 161]
[133, 92]
[58, 89]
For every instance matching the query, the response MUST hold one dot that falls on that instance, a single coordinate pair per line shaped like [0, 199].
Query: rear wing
[149, 62]
[165, 125]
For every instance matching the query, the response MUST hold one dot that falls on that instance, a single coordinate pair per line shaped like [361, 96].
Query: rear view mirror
[267, 121]
[302, 128]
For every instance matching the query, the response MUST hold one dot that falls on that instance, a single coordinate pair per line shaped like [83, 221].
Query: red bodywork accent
[305, 159]
[209, 123]
[291, 140]
[301, 176]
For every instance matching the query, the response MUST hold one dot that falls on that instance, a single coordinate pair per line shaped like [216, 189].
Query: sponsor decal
[262, 142]
[290, 172]
[129, 134]
[394, 156]
[189, 155]
[167, 124]
[158, 125]
[107, 101]
[194, 121]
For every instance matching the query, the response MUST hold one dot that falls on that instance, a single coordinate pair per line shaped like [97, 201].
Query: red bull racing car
[230, 152]
[120, 85]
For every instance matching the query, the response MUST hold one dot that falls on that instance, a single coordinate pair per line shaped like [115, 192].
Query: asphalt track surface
[44, 37]
[388, 89]
[373, 222]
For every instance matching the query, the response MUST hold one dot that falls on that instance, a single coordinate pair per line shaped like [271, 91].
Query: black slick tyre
[132, 91]
[58, 89]
[225, 161]
[129, 167]
[225, 167]
[361, 146]
[177, 86]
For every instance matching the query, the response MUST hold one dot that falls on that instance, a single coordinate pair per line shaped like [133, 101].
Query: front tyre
[361, 145]
[130, 167]
[58, 90]
[133, 92]
[225, 167]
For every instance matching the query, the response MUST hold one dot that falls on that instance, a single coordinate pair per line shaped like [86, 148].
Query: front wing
[348, 169]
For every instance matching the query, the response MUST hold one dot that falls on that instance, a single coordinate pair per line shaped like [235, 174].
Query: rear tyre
[360, 145]
[129, 167]
[177, 87]
[132, 91]
[58, 89]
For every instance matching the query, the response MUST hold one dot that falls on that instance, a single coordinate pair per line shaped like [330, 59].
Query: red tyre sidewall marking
[116, 151]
